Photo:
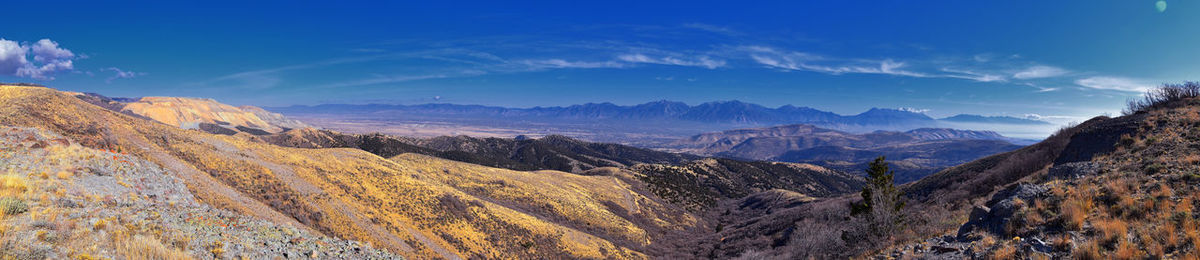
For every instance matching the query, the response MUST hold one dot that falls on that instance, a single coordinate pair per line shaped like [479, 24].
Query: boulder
[1073, 170]
[1001, 209]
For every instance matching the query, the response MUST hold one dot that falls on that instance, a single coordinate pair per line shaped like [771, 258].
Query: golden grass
[12, 185]
[1004, 252]
[1089, 251]
[1063, 242]
[1074, 214]
[1111, 230]
[1126, 250]
[140, 247]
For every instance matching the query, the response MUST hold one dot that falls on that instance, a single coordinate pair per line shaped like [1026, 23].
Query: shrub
[1164, 96]
[12, 206]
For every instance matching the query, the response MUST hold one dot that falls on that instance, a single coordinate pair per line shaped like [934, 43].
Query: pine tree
[881, 201]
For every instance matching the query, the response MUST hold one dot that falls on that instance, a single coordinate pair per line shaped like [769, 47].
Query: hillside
[419, 207]
[1124, 188]
[701, 184]
[914, 153]
[1108, 188]
[553, 152]
[207, 114]
[936, 204]
[61, 200]
[695, 182]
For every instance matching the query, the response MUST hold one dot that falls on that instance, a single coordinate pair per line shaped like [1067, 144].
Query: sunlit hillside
[417, 206]
[192, 112]
[61, 200]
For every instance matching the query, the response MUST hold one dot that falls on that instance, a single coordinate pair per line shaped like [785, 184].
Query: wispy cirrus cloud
[122, 74]
[1116, 83]
[971, 75]
[700, 61]
[1040, 71]
[565, 64]
[800, 61]
[383, 79]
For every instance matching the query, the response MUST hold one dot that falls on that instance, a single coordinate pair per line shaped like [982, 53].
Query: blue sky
[1060, 60]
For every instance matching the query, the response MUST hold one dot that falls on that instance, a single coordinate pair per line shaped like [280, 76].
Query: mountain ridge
[733, 111]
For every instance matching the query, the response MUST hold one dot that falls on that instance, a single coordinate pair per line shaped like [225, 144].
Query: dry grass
[1126, 251]
[12, 185]
[1074, 214]
[1005, 251]
[1089, 251]
[1111, 230]
[143, 247]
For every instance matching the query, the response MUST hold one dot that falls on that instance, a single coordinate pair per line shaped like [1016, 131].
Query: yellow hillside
[418, 206]
[188, 112]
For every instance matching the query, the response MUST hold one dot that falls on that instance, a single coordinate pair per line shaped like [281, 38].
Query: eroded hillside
[420, 207]
[196, 113]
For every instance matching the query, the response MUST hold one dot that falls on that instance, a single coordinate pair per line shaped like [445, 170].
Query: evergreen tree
[879, 210]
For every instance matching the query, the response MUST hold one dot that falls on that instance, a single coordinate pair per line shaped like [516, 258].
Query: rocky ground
[61, 200]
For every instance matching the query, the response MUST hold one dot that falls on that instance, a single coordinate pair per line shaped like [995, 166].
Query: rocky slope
[1125, 188]
[419, 207]
[62, 200]
[1108, 188]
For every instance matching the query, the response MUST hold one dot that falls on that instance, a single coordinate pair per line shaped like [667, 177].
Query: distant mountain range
[723, 112]
[914, 153]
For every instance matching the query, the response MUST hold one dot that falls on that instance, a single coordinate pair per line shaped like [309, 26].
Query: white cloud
[564, 64]
[1042, 117]
[971, 75]
[809, 62]
[702, 61]
[48, 58]
[382, 79]
[47, 51]
[12, 57]
[1040, 71]
[122, 74]
[914, 110]
[1115, 83]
